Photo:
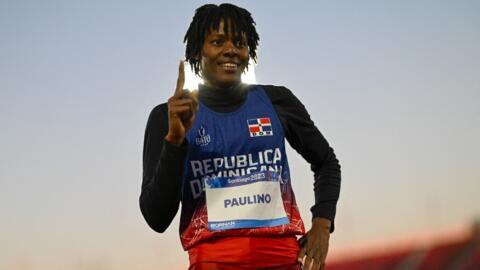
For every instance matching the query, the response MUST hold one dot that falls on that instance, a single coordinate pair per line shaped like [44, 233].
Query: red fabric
[245, 253]
[225, 266]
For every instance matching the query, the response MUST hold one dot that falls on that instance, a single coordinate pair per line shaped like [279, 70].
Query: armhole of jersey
[267, 99]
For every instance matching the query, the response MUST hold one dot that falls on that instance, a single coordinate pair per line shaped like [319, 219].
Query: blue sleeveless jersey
[224, 149]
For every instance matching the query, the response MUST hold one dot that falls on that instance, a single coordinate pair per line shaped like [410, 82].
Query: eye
[240, 43]
[217, 42]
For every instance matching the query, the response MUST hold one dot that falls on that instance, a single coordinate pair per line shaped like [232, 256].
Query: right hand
[181, 110]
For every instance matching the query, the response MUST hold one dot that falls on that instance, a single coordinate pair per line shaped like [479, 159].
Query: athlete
[220, 151]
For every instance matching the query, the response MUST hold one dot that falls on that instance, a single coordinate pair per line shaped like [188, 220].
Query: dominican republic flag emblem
[260, 127]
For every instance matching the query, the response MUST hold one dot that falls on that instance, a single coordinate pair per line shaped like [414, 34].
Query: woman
[221, 153]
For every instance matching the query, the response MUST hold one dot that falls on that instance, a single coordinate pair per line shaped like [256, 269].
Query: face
[224, 58]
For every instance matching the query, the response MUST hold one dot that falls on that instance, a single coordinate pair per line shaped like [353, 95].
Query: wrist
[174, 140]
[322, 222]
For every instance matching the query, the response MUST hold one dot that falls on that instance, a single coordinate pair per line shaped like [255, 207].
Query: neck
[217, 97]
[222, 87]
[222, 91]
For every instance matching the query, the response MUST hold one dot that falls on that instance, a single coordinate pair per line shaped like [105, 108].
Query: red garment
[243, 252]
[225, 266]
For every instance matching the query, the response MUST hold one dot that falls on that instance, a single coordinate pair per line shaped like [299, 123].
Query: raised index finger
[180, 79]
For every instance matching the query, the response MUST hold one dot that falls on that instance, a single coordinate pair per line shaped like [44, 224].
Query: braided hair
[209, 16]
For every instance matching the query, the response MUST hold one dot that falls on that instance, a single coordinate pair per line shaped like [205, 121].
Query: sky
[394, 86]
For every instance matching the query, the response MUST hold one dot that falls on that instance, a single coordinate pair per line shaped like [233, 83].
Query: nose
[230, 49]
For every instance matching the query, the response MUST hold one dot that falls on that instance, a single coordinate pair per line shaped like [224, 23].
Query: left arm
[306, 139]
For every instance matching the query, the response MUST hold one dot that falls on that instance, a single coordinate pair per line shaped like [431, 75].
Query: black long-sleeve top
[163, 162]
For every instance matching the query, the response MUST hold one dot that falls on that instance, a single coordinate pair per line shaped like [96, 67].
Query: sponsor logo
[203, 138]
[222, 224]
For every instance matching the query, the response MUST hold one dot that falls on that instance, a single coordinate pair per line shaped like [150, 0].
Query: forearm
[161, 193]
[326, 187]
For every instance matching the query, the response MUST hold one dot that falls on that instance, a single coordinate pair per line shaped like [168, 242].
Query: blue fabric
[248, 140]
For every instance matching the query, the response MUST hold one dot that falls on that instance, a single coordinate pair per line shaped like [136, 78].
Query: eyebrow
[218, 35]
[222, 35]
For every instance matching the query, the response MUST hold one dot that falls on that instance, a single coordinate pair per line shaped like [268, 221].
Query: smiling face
[224, 57]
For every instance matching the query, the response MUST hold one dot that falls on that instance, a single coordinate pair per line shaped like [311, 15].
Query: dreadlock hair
[208, 17]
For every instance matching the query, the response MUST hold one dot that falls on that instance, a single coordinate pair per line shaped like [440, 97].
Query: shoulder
[274, 89]
[162, 107]
[158, 110]
[278, 94]
[158, 115]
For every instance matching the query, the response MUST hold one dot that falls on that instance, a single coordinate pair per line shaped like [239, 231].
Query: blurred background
[393, 86]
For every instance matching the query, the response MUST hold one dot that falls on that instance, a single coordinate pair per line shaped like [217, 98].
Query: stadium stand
[461, 252]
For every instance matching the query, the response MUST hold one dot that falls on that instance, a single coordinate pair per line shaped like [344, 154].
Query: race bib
[249, 201]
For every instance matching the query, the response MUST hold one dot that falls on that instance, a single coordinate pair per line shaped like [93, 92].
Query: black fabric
[163, 162]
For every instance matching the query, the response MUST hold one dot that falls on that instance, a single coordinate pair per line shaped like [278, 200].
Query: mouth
[229, 66]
